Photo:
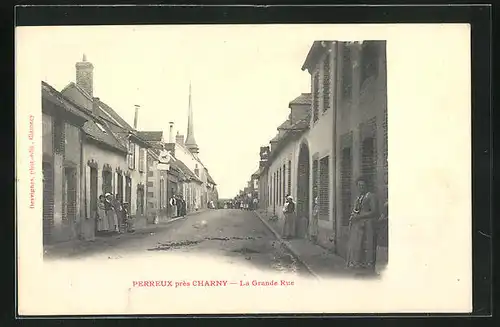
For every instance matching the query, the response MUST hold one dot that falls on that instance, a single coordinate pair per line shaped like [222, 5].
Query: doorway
[93, 194]
[303, 197]
[69, 201]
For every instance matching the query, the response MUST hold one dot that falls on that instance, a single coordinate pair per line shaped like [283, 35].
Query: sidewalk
[78, 245]
[319, 261]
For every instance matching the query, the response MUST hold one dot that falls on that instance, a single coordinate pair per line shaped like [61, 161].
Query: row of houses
[332, 135]
[89, 150]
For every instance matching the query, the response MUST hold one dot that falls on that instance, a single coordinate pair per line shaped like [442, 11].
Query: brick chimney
[136, 115]
[179, 138]
[96, 110]
[85, 75]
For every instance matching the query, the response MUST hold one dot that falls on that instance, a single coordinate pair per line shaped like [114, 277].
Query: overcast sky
[243, 78]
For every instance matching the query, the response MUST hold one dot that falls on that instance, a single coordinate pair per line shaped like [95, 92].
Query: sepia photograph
[218, 162]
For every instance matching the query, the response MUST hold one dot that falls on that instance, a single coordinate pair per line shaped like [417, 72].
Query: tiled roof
[150, 135]
[51, 94]
[303, 99]
[94, 128]
[285, 124]
[210, 179]
[185, 170]
[115, 116]
[275, 139]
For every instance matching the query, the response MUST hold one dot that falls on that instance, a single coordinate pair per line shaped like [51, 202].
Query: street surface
[233, 235]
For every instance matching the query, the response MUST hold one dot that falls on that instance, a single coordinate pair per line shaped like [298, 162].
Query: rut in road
[179, 244]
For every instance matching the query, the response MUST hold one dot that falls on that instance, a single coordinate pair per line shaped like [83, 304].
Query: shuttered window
[142, 158]
[315, 176]
[324, 188]
[284, 179]
[347, 71]
[326, 82]
[369, 60]
[59, 136]
[315, 97]
[346, 180]
[131, 155]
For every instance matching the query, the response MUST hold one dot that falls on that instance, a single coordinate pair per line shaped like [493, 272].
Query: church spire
[190, 141]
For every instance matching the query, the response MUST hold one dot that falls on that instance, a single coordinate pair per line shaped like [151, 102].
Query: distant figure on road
[173, 206]
[289, 212]
[361, 246]
[255, 204]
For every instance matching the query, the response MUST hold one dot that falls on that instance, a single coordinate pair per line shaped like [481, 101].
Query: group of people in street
[365, 223]
[242, 204]
[112, 215]
[178, 206]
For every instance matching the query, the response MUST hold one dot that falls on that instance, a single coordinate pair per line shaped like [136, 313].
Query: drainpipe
[83, 190]
[335, 51]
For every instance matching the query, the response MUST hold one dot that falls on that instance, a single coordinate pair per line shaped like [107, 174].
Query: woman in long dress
[361, 246]
[313, 227]
[102, 218]
[110, 211]
[289, 213]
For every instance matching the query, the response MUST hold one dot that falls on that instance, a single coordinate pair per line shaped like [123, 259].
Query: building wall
[139, 178]
[277, 194]
[194, 191]
[100, 156]
[362, 116]
[62, 180]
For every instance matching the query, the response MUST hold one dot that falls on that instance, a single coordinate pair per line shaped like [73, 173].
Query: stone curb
[287, 245]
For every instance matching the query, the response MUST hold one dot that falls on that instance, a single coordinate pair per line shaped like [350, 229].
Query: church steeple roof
[190, 140]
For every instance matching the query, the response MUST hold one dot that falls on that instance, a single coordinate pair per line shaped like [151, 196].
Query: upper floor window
[315, 96]
[369, 60]
[327, 82]
[131, 155]
[347, 71]
[142, 159]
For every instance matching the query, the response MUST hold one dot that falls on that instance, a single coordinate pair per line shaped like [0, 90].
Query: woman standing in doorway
[361, 246]
[289, 213]
[313, 227]
[102, 219]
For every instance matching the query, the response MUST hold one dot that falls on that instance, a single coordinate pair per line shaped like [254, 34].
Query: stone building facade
[62, 167]
[342, 135]
[122, 175]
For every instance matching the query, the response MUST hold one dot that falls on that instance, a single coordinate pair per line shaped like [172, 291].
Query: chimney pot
[171, 132]
[179, 138]
[136, 116]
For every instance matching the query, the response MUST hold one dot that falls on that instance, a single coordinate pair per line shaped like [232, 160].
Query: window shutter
[315, 97]
[326, 82]
[324, 189]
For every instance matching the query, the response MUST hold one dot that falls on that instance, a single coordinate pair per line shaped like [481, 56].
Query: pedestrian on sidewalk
[361, 245]
[111, 213]
[313, 226]
[101, 217]
[182, 206]
[289, 213]
[173, 206]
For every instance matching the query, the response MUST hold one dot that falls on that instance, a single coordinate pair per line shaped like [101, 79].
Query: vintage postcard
[243, 169]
